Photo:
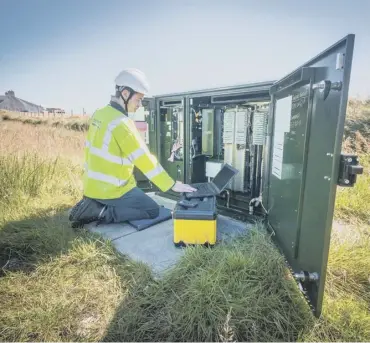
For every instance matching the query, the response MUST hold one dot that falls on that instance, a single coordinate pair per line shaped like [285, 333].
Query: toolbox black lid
[205, 209]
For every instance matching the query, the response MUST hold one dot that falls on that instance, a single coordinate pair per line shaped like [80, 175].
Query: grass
[76, 123]
[351, 205]
[221, 294]
[60, 285]
[71, 297]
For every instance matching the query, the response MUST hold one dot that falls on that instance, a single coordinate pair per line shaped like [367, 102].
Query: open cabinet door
[146, 123]
[303, 163]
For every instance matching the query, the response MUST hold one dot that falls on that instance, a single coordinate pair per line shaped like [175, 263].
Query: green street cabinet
[285, 139]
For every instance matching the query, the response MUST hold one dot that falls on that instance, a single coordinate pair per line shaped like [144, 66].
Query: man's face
[135, 102]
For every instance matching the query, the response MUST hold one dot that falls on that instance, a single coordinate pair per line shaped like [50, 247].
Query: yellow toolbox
[195, 222]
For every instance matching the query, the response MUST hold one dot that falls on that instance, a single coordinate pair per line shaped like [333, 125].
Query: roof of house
[12, 103]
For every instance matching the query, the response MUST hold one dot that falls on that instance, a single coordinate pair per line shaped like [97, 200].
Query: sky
[67, 53]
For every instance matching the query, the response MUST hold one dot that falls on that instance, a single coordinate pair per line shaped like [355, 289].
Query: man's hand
[182, 188]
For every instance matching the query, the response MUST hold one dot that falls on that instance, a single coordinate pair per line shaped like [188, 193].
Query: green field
[60, 285]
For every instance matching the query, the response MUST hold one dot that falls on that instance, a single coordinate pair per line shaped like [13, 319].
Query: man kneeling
[113, 148]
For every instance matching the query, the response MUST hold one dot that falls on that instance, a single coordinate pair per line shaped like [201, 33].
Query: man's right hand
[183, 188]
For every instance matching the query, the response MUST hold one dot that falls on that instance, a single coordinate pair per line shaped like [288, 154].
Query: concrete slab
[154, 246]
[111, 231]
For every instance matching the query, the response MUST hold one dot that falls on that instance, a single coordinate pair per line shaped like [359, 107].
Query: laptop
[216, 186]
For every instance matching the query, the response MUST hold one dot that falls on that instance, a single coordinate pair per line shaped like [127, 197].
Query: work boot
[86, 211]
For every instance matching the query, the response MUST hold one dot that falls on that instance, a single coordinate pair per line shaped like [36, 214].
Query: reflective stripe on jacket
[113, 147]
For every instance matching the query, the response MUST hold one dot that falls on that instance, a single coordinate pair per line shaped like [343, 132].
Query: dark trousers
[133, 205]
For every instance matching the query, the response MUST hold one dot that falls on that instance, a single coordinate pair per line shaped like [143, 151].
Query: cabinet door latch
[348, 170]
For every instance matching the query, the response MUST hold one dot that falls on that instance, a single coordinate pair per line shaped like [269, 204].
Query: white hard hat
[134, 79]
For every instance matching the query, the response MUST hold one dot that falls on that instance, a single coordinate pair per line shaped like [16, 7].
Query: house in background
[10, 102]
[55, 110]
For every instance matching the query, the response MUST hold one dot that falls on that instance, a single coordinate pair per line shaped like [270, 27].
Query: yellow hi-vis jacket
[113, 147]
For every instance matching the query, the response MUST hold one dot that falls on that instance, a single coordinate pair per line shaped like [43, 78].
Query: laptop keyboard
[203, 187]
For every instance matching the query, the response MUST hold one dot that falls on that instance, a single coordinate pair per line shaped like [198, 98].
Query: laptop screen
[224, 176]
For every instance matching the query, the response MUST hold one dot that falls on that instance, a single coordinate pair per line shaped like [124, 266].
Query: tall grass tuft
[27, 173]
